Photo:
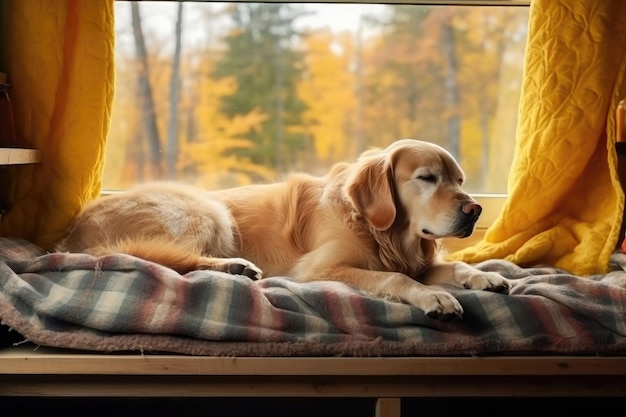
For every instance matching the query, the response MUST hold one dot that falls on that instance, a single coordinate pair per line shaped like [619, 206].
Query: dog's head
[416, 183]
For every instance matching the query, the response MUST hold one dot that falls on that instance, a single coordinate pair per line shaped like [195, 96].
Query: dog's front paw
[437, 304]
[487, 281]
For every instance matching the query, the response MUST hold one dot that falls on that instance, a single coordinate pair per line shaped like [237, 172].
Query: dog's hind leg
[179, 256]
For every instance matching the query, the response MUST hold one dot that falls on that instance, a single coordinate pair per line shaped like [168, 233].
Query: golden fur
[373, 224]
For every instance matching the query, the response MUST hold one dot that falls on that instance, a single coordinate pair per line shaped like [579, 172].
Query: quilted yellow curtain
[59, 56]
[565, 202]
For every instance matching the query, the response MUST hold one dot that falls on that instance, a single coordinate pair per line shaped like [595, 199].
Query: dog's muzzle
[469, 212]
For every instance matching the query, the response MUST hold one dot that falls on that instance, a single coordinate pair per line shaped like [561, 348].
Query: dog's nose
[471, 209]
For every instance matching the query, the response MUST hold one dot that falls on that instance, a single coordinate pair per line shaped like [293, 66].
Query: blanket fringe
[21, 342]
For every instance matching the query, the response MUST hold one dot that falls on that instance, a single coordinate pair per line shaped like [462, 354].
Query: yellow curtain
[61, 64]
[565, 202]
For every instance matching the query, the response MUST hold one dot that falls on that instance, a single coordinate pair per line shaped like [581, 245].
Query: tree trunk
[452, 91]
[172, 128]
[145, 93]
[279, 110]
[489, 105]
[359, 140]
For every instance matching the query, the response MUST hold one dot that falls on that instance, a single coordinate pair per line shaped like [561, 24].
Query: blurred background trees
[221, 95]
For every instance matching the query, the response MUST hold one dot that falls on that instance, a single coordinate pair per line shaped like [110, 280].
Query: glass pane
[226, 94]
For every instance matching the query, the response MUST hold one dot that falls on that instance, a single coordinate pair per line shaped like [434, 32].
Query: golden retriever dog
[373, 224]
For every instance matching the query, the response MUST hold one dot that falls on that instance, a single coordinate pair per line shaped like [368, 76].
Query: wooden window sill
[18, 156]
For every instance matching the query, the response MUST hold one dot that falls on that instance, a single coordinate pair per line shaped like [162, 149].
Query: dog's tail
[154, 249]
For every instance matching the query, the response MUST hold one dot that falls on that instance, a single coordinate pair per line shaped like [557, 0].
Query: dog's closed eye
[431, 178]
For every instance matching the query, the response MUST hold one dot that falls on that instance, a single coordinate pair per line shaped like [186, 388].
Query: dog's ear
[369, 189]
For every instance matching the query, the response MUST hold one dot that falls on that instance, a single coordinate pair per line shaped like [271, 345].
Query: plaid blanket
[122, 303]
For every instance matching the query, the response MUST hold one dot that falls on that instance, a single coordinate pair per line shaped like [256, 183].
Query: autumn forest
[250, 91]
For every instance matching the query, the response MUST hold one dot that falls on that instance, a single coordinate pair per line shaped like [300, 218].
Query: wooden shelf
[17, 156]
[50, 361]
[51, 372]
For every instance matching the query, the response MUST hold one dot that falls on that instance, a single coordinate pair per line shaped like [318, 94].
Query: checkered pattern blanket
[122, 303]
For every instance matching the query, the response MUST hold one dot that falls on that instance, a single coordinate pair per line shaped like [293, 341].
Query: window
[226, 94]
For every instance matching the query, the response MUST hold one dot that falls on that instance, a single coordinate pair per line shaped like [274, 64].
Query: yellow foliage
[327, 89]
[206, 157]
